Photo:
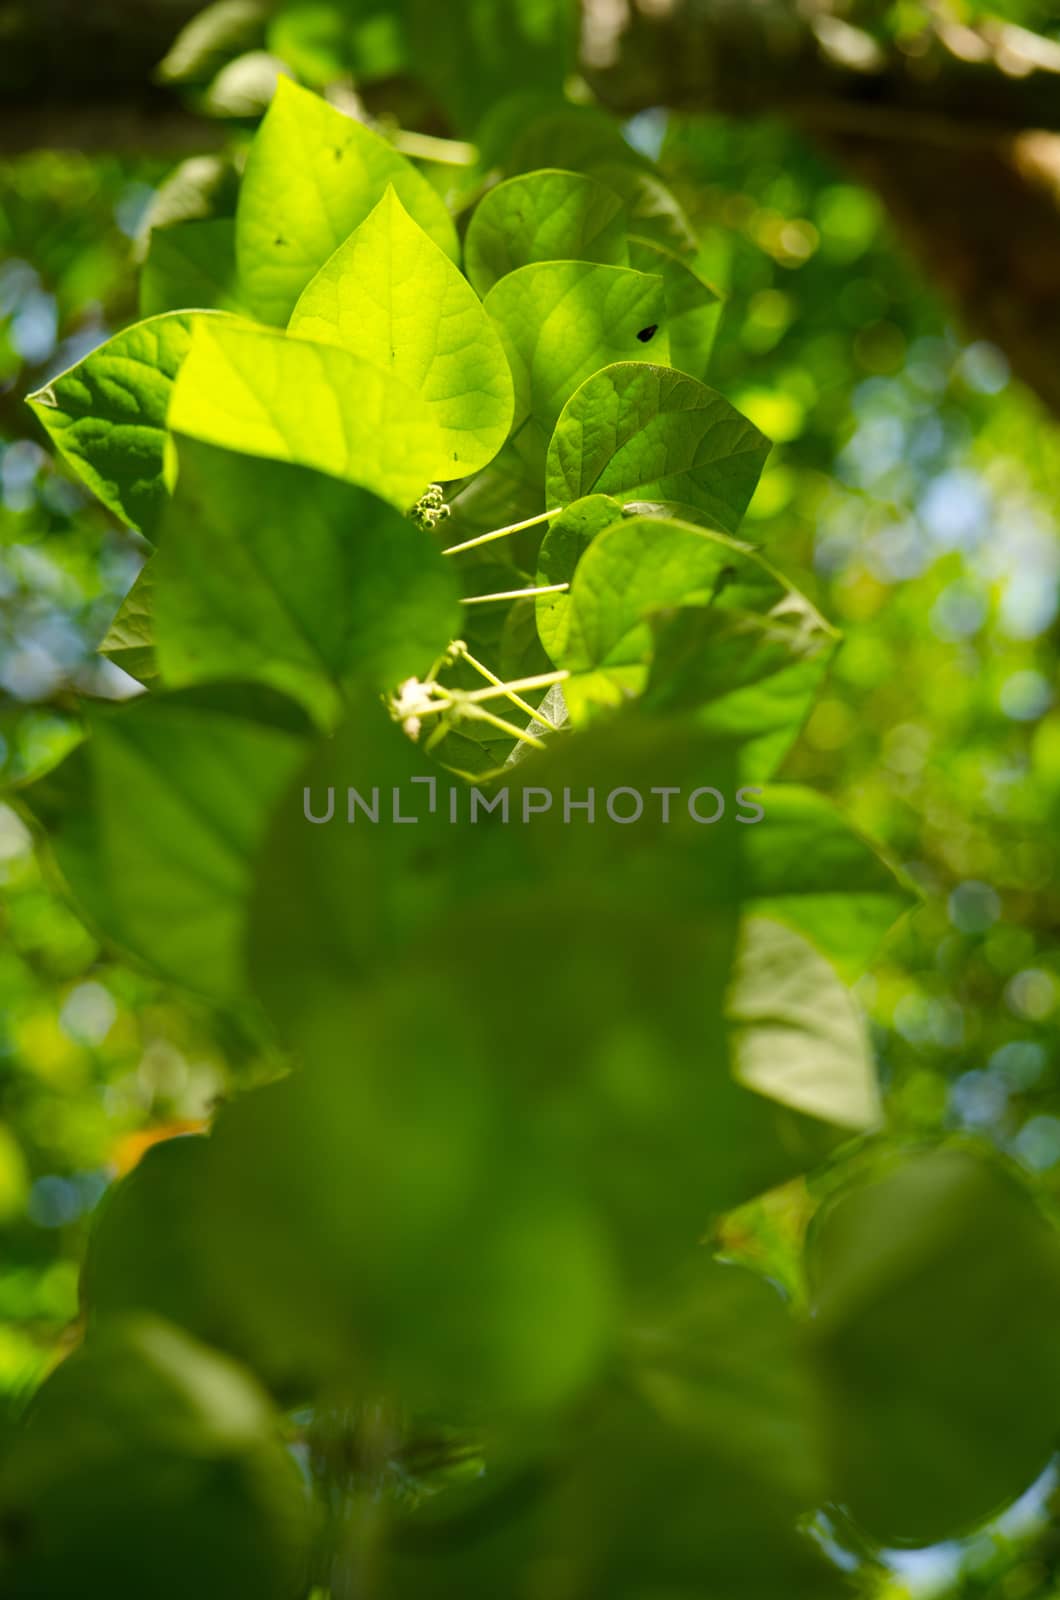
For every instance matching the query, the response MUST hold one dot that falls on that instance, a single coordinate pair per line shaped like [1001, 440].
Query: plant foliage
[526, 1056]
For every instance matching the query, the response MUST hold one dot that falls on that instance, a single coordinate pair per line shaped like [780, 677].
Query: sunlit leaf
[312, 177]
[266, 393]
[561, 321]
[391, 296]
[797, 1034]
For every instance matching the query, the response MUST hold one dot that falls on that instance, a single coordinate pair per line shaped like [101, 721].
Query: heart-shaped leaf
[649, 433]
[693, 308]
[191, 264]
[545, 216]
[265, 393]
[108, 414]
[312, 176]
[560, 321]
[392, 297]
[275, 573]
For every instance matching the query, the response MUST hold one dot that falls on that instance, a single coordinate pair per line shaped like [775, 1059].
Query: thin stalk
[514, 594]
[509, 728]
[524, 705]
[502, 533]
[543, 680]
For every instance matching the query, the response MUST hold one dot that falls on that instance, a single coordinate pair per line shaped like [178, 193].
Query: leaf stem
[509, 728]
[542, 680]
[514, 594]
[428, 147]
[502, 533]
[524, 705]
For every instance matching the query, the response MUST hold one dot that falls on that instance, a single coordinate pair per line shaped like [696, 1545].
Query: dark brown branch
[743, 57]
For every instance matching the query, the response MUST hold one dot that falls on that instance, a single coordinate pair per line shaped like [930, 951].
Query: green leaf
[936, 1293]
[644, 1118]
[392, 297]
[796, 1032]
[130, 639]
[108, 413]
[807, 867]
[321, 43]
[705, 1428]
[563, 546]
[693, 308]
[561, 321]
[184, 1442]
[145, 1252]
[213, 37]
[359, 590]
[747, 675]
[574, 138]
[648, 433]
[654, 210]
[179, 790]
[264, 393]
[346, 1201]
[190, 265]
[475, 52]
[312, 177]
[745, 652]
[545, 216]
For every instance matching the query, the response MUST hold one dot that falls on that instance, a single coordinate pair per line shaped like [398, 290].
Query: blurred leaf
[747, 675]
[693, 308]
[807, 867]
[143, 1418]
[936, 1289]
[472, 54]
[387, 1229]
[655, 212]
[213, 37]
[797, 1034]
[190, 264]
[181, 788]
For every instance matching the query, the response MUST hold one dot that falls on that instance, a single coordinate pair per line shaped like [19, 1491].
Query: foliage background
[914, 493]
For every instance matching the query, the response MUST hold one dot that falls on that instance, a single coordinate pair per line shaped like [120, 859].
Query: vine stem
[542, 680]
[524, 705]
[502, 533]
[427, 147]
[509, 728]
[513, 594]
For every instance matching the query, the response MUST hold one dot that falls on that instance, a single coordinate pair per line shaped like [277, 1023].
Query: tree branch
[940, 133]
